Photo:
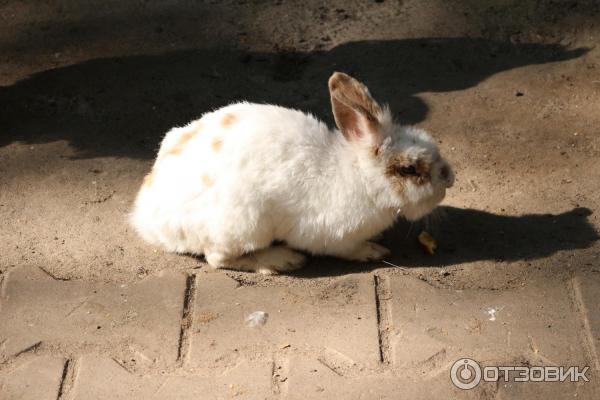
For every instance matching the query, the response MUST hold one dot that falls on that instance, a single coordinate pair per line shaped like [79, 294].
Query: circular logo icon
[465, 373]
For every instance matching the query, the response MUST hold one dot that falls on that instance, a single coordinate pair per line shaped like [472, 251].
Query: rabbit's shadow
[466, 235]
[122, 106]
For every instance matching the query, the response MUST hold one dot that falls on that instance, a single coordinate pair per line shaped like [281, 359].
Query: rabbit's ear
[356, 114]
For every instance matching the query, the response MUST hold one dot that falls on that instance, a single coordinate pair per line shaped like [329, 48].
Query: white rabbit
[231, 183]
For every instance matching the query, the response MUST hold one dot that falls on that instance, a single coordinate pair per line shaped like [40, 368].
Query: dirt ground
[510, 89]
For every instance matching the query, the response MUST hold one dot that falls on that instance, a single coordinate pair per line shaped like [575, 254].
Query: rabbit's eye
[409, 170]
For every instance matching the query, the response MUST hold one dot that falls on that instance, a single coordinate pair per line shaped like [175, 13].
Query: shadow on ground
[467, 235]
[123, 106]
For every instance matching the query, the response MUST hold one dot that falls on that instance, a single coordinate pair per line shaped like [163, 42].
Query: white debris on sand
[492, 312]
[256, 319]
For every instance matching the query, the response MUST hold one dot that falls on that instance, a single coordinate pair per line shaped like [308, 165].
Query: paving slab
[587, 293]
[313, 379]
[548, 390]
[102, 378]
[33, 379]
[337, 319]
[535, 324]
[140, 321]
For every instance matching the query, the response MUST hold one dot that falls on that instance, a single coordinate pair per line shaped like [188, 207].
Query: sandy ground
[511, 90]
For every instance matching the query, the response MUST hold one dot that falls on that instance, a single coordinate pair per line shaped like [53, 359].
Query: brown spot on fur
[424, 170]
[196, 125]
[228, 120]
[148, 179]
[207, 180]
[392, 170]
[216, 144]
[181, 142]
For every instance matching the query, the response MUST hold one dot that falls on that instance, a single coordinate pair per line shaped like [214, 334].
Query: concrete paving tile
[139, 320]
[587, 293]
[312, 379]
[34, 379]
[432, 328]
[547, 390]
[532, 325]
[100, 378]
[338, 319]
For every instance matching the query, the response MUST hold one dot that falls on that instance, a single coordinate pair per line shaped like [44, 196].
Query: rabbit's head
[401, 166]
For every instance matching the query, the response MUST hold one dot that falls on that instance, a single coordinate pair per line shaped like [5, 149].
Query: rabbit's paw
[267, 261]
[368, 251]
[277, 259]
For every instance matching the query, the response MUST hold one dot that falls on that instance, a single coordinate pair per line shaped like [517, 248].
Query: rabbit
[237, 180]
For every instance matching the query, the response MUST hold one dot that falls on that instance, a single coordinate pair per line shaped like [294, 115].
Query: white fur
[280, 175]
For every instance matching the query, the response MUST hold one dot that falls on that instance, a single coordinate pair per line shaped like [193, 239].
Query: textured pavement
[359, 336]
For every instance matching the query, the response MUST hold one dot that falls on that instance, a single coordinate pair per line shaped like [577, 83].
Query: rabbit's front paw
[368, 251]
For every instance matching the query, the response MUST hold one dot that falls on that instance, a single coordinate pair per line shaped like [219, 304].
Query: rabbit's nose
[447, 176]
[444, 172]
